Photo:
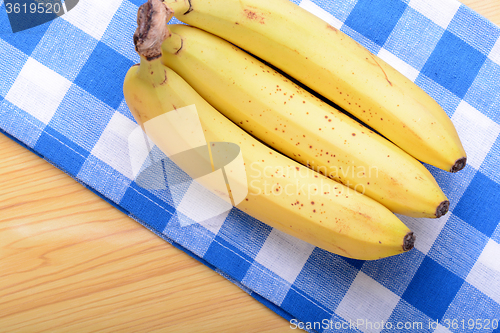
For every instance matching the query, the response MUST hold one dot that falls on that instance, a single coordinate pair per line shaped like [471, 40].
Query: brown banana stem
[152, 29]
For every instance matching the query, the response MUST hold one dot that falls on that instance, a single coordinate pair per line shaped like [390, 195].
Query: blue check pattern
[61, 97]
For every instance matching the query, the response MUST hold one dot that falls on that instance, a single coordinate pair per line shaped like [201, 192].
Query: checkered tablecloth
[61, 96]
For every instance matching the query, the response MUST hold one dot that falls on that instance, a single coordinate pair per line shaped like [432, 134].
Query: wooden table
[70, 262]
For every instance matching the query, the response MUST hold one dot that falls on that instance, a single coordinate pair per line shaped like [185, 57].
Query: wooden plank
[71, 262]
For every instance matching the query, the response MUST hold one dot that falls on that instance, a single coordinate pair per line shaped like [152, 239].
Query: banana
[299, 125]
[281, 192]
[335, 66]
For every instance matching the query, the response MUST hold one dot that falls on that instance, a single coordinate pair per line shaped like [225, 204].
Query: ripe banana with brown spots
[281, 192]
[334, 65]
[286, 117]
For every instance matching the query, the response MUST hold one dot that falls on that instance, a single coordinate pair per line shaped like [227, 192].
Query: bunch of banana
[283, 194]
[292, 121]
[335, 66]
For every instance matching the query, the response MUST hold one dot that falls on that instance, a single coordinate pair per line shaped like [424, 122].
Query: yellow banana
[334, 65]
[281, 192]
[299, 125]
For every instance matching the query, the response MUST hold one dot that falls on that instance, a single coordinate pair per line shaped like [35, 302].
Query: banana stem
[151, 70]
[152, 29]
[179, 7]
[172, 44]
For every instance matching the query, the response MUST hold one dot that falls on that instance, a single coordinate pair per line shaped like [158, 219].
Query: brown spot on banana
[328, 26]
[165, 80]
[385, 74]
[252, 15]
[366, 216]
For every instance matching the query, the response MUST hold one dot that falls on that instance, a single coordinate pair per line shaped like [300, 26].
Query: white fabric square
[401, 66]
[199, 203]
[38, 90]
[427, 230]
[367, 304]
[113, 145]
[267, 285]
[182, 126]
[485, 274]
[214, 224]
[490, 257]
[139, 147]
[440, 12]
[284, 255]
[93, 16]
[312, 8]
[477, 133]
[495, 52]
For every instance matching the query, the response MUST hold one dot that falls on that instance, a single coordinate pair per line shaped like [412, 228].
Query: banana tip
[459, 164]
[408, 241]
[442, 209]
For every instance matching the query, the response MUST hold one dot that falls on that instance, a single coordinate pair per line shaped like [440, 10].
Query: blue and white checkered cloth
[61, 96]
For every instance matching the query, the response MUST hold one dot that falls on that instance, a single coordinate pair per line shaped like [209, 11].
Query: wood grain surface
[70, 262]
